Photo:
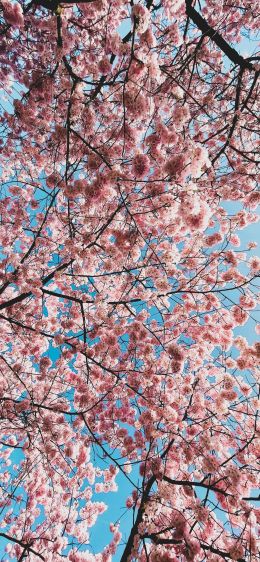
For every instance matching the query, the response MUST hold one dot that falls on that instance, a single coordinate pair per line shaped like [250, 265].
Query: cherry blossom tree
[126, 129]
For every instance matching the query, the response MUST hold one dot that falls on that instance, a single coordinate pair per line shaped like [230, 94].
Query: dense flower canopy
[128, 169]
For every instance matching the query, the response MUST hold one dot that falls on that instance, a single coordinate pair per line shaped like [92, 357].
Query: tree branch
[206, 29]
[22, 544]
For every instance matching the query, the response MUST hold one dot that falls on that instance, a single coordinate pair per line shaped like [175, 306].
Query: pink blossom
[240, 316]
[176, 352]
[254, 264]
[129, 502]
[174, 34]
[104, 66]
[141, 165]
[235, 240]
[175, 165]
[253, 200]
[213, 239]
[142, 17]
[237, 551]
[210, 463]
[13, 13]
[126, 178]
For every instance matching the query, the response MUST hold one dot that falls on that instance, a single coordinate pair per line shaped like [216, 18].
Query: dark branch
[206, 29]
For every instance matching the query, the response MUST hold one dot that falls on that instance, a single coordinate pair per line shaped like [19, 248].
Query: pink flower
[210, 463]
[13, 13]
[235, 240]
[141, 165]
[247, 302]
[176, 352]
[229, 395]
[45, 362]
[193, 548]
[213, 239]
[254, 263]
[104, 66]
[237, 551]
[175, 165]
[239, 315]
[253, 200]
[81, 457]
[241, 363]
[176, 366]
[52, 180]
[141, 16]
[129, 502]
[174, 34]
